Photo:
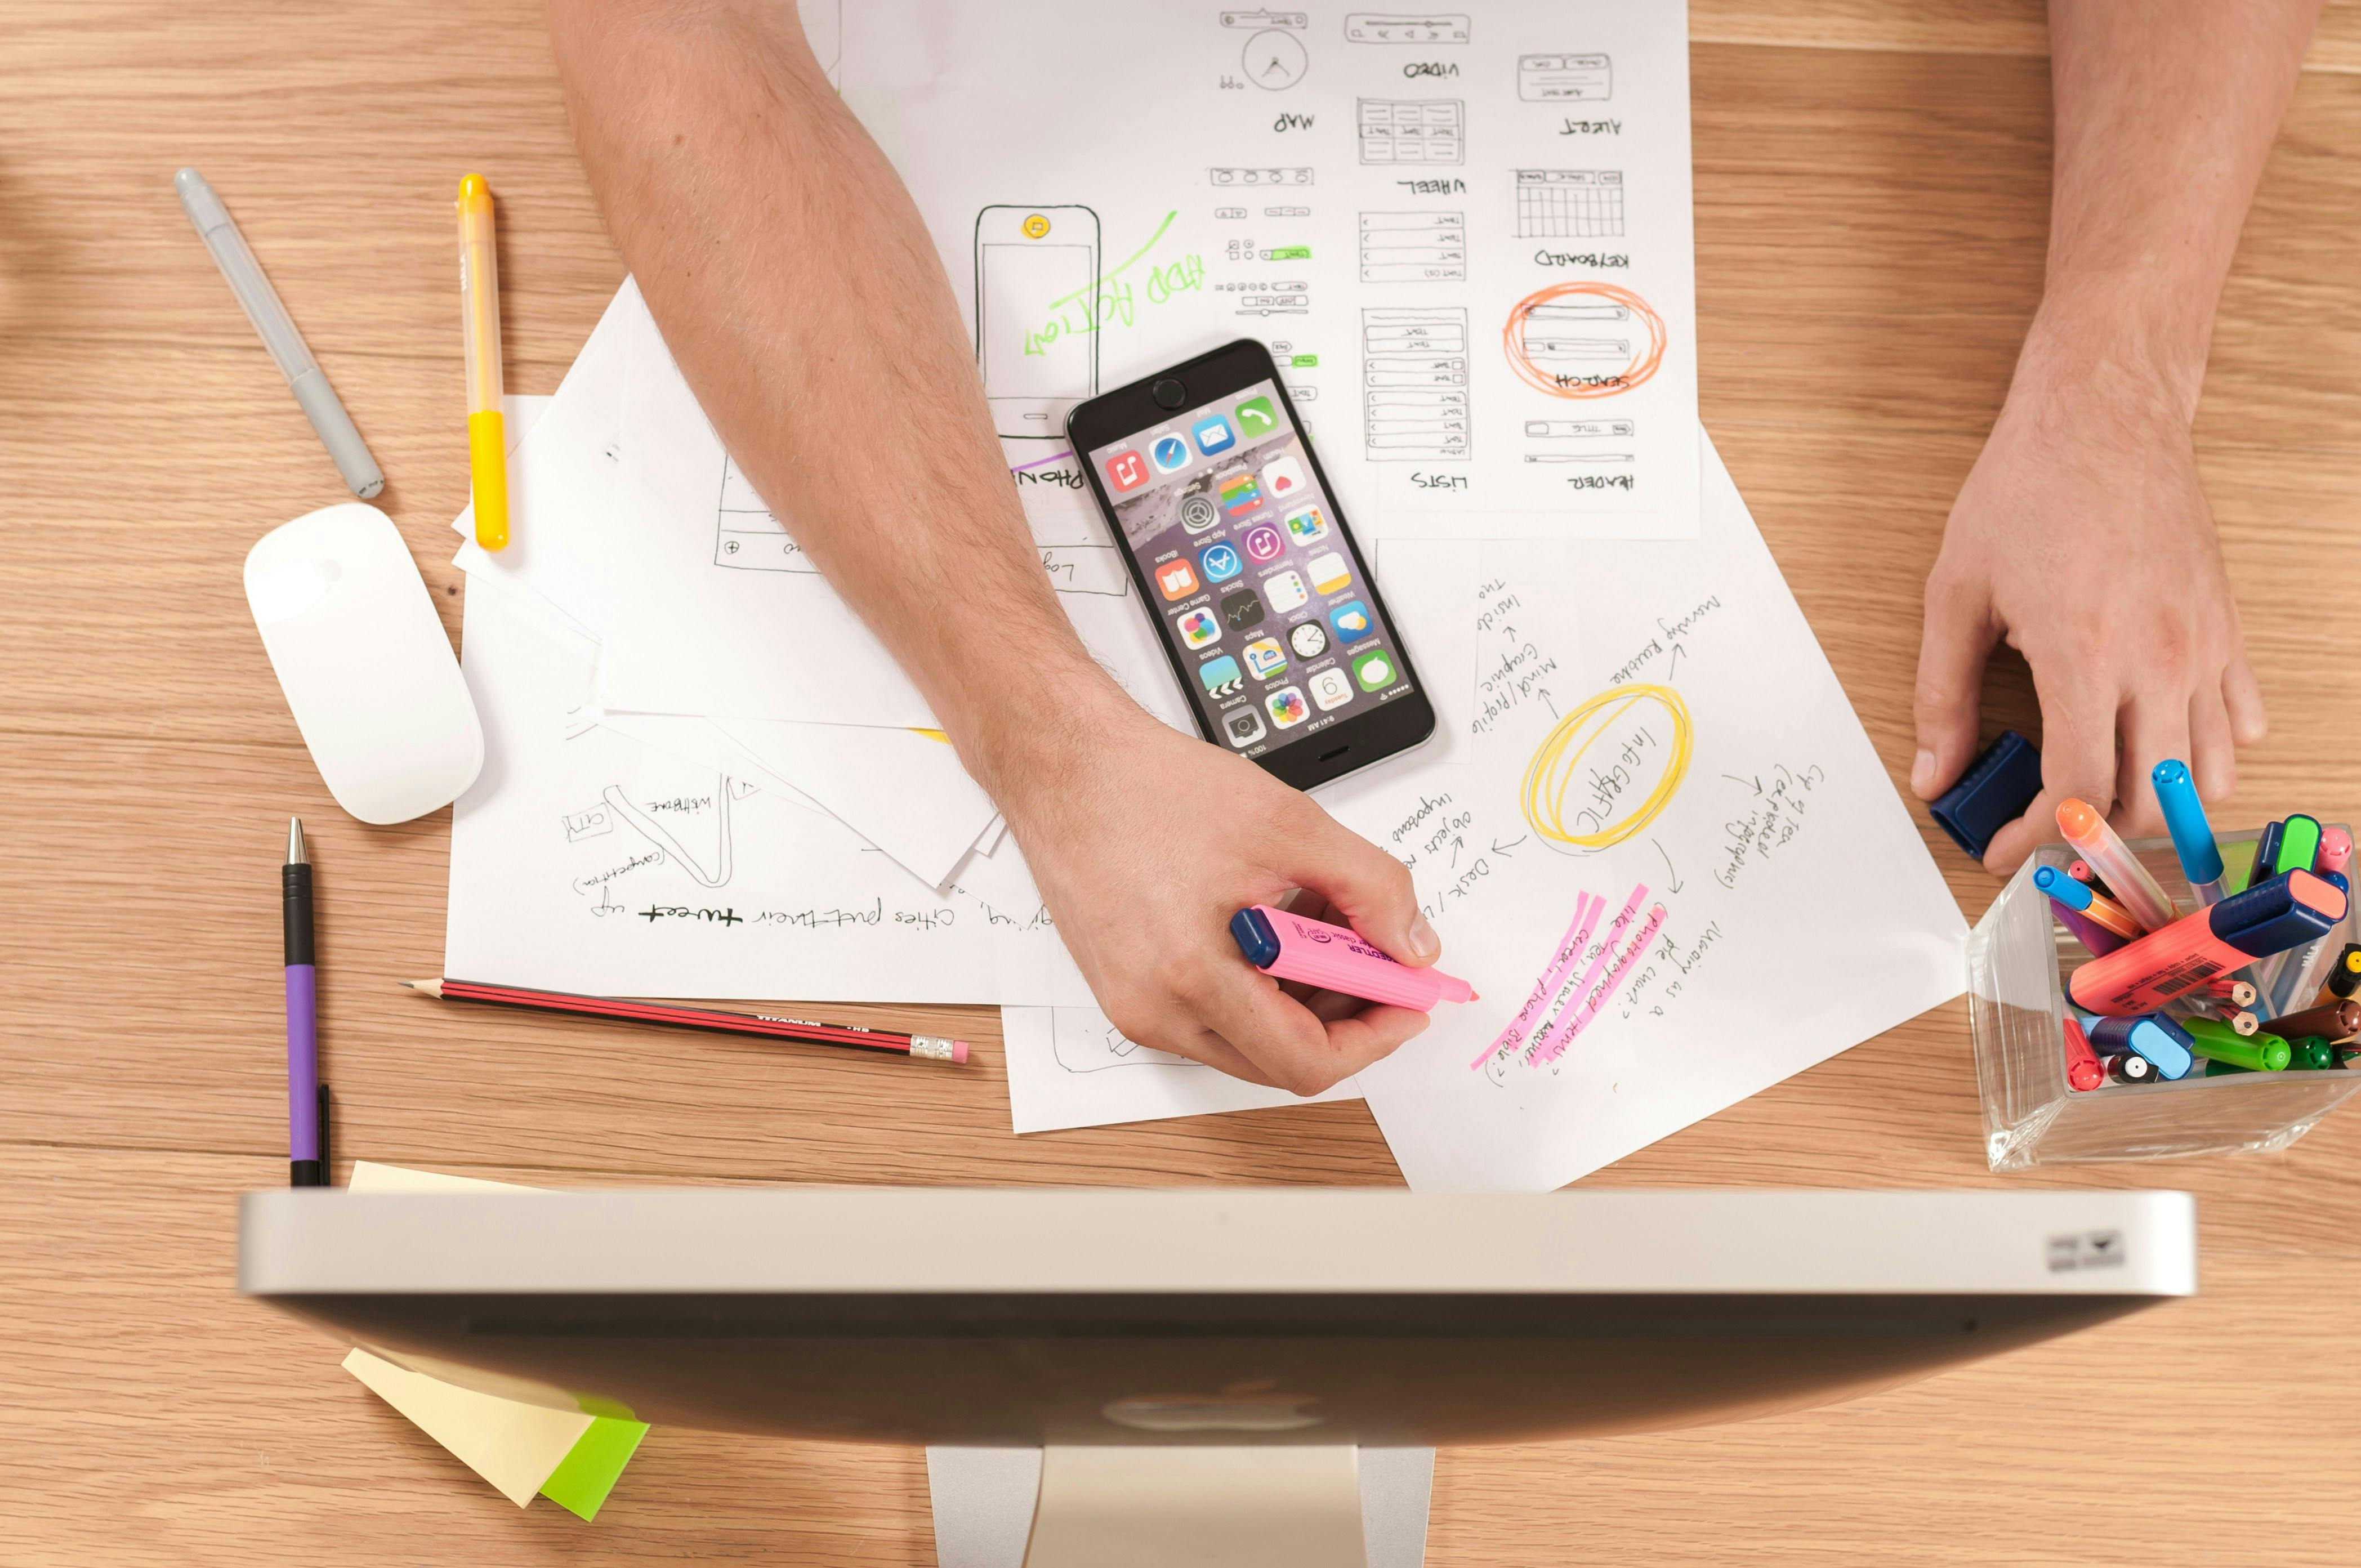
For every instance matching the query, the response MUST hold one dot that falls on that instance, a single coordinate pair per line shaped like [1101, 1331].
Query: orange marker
[2111, 857]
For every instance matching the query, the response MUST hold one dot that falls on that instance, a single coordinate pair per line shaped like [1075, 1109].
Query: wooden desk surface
[1872, 185]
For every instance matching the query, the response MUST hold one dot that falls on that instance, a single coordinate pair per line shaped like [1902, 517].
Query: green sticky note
[590, 1470]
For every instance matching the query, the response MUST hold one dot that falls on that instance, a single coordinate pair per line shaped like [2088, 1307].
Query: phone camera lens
[1168, 393]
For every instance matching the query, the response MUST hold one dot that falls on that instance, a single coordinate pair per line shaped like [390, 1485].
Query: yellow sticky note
[517, 1446]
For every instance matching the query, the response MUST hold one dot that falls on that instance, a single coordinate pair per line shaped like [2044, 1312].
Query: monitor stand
[1296, 1506]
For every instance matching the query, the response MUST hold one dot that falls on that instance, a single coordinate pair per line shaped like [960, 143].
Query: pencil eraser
[1993, 792]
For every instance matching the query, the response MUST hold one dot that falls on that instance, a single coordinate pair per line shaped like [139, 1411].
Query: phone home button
[1168, 393]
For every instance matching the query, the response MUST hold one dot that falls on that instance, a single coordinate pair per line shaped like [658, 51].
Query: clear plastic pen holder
[2018, 959]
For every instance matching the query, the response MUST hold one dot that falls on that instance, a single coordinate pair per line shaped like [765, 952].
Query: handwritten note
[1648, 853]
[583, 859]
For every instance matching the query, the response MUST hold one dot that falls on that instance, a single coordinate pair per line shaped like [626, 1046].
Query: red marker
[2084, 1070]
[1336, 957]
[2285, 911]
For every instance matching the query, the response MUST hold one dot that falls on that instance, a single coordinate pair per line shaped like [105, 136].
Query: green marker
[2218, 1042]
[2299, 845]
[2222, 1068]
[2311, 1054]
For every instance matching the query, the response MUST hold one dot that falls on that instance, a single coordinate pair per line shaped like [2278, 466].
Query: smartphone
[1036, 342]
[1260, 597]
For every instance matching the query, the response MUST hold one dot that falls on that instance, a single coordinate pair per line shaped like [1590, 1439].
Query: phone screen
[1253, 582]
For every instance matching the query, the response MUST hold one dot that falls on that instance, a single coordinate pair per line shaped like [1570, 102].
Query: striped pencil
[926, 1047]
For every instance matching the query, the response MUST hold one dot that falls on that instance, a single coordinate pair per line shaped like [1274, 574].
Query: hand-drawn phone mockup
[1037, 276]
[1262, 600]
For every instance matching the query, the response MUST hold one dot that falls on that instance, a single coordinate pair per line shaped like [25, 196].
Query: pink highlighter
[1336, 957]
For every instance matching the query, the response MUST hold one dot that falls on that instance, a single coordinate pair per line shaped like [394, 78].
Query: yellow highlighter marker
[480, 291]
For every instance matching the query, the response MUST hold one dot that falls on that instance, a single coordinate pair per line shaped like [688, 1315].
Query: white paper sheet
[904, 792]
[1467, 235]
[1069, 1066]
[727, 616]
[1667, 857]
[591, 862]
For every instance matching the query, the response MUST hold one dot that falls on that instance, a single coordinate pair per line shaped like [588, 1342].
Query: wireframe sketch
[710, 869]
[1413, 247]
[1083, 1041]
[1580, 440]
[1260, 177]
[747, 535]
[1569, 203]
[1405, 27]
[1285, 298]
[1583, 340]
[1414, 383]
[1412, 130]
[1274, 57]
[1565, 77]
[1037, 314]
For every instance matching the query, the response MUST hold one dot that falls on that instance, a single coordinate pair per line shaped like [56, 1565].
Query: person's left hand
[2083, 537]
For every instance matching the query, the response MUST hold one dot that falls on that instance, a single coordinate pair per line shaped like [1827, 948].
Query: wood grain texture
[1872, 190]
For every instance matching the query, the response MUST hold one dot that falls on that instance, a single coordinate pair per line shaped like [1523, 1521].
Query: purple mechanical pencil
[307, 1097]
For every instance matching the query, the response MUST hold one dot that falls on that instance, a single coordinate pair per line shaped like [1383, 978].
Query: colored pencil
[926, 1047]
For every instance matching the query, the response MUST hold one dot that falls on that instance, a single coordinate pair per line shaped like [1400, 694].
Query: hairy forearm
[800, 294]
[2165, 112]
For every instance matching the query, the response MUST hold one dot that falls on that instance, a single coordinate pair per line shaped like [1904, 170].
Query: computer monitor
[1090, 1321]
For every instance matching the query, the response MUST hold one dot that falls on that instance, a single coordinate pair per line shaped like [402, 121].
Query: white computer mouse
[361, 655]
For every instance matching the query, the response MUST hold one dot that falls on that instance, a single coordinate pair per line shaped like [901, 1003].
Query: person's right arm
[805, 304]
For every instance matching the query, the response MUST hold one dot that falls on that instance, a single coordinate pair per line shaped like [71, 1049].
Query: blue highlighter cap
[2184, 819]
[2268, 918]
[2061, 887]
[2156, 1037]
[1993, 792]
[1250, 928]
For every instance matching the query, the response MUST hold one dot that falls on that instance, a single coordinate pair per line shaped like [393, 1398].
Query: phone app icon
[1213, 434]
[1198, 627]
[1240, 494]
[1243, 728]
[1126, 471]
[1309, 640]
[1351, 620]
[1376, 670]
[1170, 453]
[1287, 706]
[1221, 676]
[1283, 477]
[1331, 690]
[1263, 658]
[1307, 526]
[1285, 589]
[1329, 572]
[1220, 562]
[1197, 513]
[1178, 580]
[1263, 543]
[1242, 610]
[1255, 417]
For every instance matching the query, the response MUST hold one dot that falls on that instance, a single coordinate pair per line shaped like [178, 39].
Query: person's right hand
[1145, 841]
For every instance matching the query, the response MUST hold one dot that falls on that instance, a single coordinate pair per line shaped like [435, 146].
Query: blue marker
[2074, 895]
[2156, 1037]
[2192, 837]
